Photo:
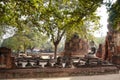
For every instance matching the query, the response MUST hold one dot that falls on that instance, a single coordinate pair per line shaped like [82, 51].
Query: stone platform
[55, 72]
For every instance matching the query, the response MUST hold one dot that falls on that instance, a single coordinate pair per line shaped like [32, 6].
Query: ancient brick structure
[76, 47]
[109, 47]
[101, 51]
[55, 72]
[6, 61]
[112, 47]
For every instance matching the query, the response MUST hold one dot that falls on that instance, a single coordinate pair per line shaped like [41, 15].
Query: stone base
[118, 66]
[116, 60]
[55, 72]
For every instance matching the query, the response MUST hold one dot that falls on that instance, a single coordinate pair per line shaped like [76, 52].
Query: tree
[37, 39]
[16, 43]
[67, 17]
[114, 17]
[26, 39]
[53, 17]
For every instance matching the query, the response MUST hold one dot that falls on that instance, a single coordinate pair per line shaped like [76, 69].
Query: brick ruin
[76, 47]
[6, 61]
[55, 72]
[110, 51]
[112, 47]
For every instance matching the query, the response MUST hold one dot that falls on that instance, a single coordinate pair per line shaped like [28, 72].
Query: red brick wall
[55, 72]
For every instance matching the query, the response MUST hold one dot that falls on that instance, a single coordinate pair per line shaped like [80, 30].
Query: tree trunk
[55, 52]
[24, 48]
[31, 49]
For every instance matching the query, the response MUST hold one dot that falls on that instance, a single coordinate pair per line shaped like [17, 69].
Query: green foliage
[1, 32]
[29, 38]
[66, 13]
[69, 16]
[114, 17]
[16, 42]
[55, 18]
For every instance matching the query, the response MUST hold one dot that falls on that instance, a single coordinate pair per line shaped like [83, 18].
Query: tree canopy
[52, 17]
[114, 17]
[27, 39]
[18, 13]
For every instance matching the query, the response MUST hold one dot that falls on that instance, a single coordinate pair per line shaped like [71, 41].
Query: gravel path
[96, 77]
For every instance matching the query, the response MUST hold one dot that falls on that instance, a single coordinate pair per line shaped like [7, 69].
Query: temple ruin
[110, 51]
[76, 47]
[6, 61]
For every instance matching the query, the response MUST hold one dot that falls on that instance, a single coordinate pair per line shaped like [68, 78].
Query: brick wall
[55, 72]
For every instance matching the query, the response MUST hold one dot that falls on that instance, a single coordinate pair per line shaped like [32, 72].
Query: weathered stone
[75, 47]
[112, 46]
[37, 64]
[68, 63]
[19, 64]
[58, 64]
[116, 60]
[28, 64]
[55, 72]
[109, 47]
[48, 64]
[13, 62]
[5, 58]
[100, 51]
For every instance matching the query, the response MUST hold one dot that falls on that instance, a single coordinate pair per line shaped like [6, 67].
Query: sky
[102, 12]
